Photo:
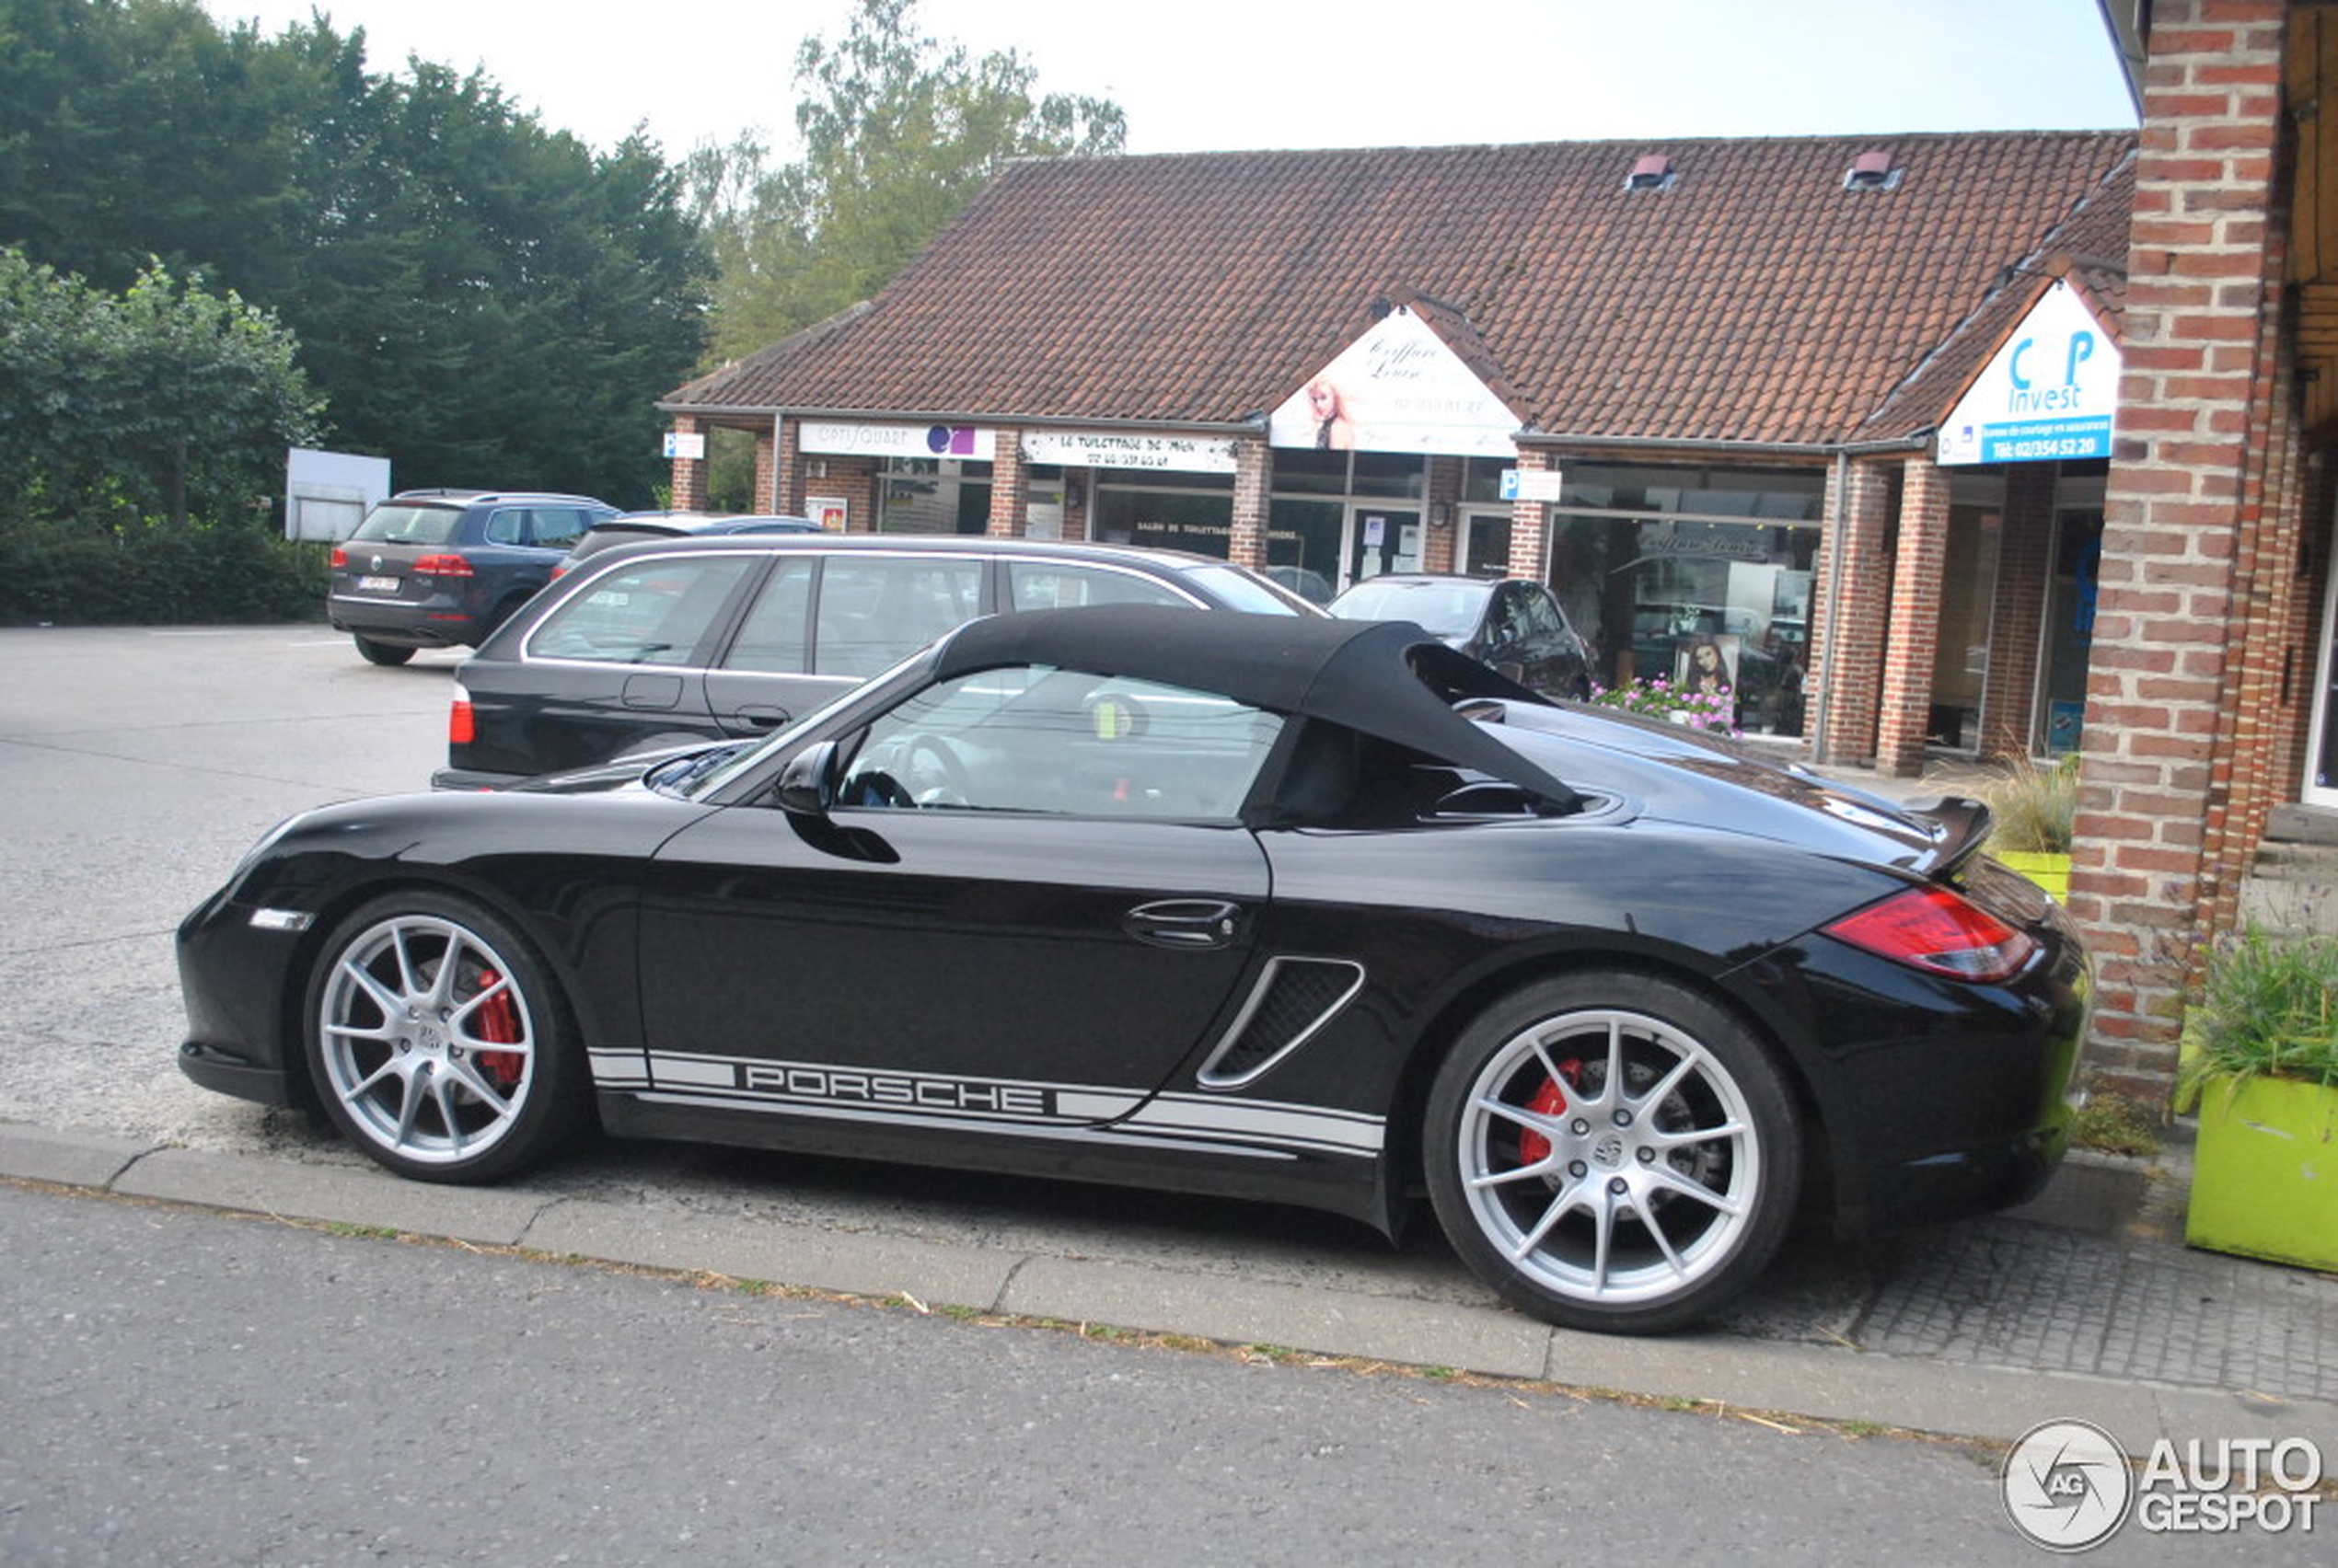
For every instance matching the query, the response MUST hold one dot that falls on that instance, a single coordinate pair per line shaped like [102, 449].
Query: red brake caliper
[497, 1020]
[1549, 1101]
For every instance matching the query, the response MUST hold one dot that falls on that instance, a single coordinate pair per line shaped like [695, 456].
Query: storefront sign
[2049, 394]
[1123, 449]
[895, 440]
[1396, 389]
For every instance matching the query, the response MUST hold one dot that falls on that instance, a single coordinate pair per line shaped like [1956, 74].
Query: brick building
[1728, 389]
[2211, 765]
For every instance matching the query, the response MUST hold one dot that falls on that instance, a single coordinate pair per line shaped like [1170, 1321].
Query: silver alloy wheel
[1609, 1158]
[426, 1039]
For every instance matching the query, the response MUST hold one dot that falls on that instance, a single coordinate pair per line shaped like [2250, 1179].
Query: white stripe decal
[1085, 1113]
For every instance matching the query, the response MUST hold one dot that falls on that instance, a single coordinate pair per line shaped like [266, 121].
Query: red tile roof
[1755, 299]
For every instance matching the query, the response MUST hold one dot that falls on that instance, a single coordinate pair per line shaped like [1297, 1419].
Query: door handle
[1185, 922]
[757, 720]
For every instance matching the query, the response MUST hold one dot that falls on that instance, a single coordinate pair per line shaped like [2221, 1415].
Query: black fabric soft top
[1390, 679]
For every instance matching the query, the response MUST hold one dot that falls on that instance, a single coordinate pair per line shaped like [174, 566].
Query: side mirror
[807, 784]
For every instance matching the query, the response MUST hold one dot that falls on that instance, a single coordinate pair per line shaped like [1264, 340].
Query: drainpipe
[1825, 664]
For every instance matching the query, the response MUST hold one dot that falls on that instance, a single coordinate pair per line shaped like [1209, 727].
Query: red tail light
[1934, 929]
[462, 724]
[441, 566]
[340, 557]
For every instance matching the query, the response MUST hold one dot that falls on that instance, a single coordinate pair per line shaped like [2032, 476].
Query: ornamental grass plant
[2269, 1007]
[2032, 809]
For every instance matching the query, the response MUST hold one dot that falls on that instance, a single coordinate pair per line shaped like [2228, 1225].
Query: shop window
[1651, 591]
[1198, 520]
[930, 495]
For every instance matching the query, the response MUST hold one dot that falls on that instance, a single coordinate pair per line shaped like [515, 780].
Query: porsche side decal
[1083, 1111]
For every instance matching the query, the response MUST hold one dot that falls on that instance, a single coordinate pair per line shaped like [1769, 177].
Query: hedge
[156, 573]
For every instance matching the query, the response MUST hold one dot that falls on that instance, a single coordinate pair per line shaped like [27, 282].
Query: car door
[1031, 904]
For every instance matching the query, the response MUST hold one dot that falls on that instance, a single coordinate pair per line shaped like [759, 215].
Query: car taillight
[1933, 929]
[441, 566]
[462, 724]
[340, 558]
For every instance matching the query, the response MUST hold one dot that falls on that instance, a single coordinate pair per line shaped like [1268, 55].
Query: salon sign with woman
[1400, 387]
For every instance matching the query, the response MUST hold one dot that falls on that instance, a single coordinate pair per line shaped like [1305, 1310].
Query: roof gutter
[1249, 425]
[1914, 442]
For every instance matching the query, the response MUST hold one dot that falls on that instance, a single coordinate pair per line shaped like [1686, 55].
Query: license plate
[378, 585]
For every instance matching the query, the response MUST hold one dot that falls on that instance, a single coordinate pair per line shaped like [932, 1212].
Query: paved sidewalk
[2085, 1305]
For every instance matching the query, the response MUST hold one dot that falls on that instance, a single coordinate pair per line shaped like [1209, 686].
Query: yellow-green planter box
[2264, 1177]
[2049, 870]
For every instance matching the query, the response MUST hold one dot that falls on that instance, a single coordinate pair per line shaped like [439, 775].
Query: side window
[776, 635]
[558, 526]
[656, 612]
[508, 526]
[1541, 616]
[874, 612]
[1050, 585]
[1063, 743]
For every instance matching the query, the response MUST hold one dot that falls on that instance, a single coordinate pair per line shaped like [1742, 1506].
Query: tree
[898, 131]
[482, 300]
[166, 402]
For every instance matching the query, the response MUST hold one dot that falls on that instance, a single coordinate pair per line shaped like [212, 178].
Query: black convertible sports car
[1305, 910]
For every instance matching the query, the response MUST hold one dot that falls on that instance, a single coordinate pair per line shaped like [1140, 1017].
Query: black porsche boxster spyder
[1312, 911]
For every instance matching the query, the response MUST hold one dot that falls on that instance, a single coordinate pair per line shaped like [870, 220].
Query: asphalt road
[184, 1387]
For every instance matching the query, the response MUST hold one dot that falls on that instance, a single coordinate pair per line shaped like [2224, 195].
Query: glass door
[2322, 747]
[1380, 539]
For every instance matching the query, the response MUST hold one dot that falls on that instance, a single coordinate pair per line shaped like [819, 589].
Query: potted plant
[2032, 809]
[2262, 1059]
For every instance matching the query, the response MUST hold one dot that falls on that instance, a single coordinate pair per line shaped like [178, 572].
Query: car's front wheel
[1613, 1152]
[381, 652]
[438, 1042]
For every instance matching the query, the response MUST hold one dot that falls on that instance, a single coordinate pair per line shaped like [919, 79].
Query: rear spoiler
[1960, 826]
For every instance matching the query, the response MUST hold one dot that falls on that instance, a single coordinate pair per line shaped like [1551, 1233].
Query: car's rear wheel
[1613, 1152]
[438, 1042]
[381, 652]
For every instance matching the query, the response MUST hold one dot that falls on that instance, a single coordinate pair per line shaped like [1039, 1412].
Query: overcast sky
[1223, 75]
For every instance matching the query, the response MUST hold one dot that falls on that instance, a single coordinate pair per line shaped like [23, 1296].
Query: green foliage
[166, 402]
[153, 573]
[2033, 809]
[2269, 1005]
[481, 300]
[898, 130]
[2116, 1123]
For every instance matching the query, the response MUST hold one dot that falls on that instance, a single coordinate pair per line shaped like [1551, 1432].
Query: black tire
[381, 652]
[461, 1076]
[1589, 1208]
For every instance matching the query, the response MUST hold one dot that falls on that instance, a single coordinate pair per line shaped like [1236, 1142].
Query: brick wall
[1850, 604]
[1913, 628]
[690, 472]
[1530, 522]
[1253, 469]
[1009, 496]
[2176, 750]
[2017, 611]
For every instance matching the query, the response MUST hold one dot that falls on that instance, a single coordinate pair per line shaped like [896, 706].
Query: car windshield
[410, 524]
[1448, 609]
[1239, 590]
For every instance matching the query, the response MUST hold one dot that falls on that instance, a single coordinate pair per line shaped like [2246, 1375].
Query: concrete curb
[1994, 1402]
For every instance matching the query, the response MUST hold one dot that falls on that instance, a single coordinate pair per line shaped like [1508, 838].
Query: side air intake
[1294, 998]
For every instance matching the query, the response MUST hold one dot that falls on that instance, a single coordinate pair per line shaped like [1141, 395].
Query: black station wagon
[678, 641]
